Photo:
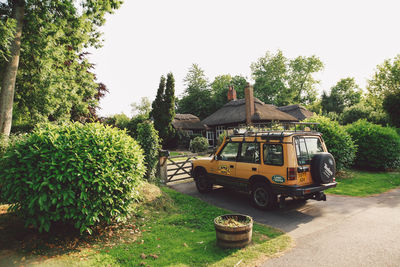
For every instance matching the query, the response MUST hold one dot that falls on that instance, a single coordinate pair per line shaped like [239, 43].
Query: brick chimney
[249, 97]
[231, 93]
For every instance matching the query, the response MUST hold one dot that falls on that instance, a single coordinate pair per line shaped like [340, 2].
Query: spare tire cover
[323, 168]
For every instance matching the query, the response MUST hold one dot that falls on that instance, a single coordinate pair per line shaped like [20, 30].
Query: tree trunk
[10, 71]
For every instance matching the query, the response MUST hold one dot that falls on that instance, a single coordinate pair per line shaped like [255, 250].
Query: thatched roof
[234, 112]
[297, 111]
[187, 122]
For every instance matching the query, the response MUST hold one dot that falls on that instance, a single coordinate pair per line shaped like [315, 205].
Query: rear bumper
[298, 191]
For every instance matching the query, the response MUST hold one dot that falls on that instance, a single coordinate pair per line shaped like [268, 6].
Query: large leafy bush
[76, 174]
[337, 140]
[378, 147]
[199, 144]
[148, 139]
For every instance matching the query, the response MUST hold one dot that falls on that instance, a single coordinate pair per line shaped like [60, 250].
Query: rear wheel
[203, 184]
[262, 196]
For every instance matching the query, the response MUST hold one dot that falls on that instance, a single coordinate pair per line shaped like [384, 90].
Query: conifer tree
[163, 109]
[169, 108]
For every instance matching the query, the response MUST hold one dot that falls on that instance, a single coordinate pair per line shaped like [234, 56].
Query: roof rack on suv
[273, 131]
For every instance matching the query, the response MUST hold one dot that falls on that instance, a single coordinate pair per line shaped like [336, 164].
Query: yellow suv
[269, 164]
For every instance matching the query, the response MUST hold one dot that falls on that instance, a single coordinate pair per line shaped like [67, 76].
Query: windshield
[306, 148]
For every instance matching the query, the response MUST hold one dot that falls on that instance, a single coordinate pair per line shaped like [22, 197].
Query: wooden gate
[177, 168]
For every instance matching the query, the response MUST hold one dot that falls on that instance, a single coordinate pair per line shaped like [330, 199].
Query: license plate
[302, 176]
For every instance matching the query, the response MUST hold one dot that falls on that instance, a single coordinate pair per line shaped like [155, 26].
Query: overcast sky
[146, 39]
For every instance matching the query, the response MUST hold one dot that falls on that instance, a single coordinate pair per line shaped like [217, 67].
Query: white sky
[149, 38]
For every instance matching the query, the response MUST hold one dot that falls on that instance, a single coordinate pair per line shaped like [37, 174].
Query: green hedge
[337, 140]
[378, 147]
[76, 174]
[199, 144]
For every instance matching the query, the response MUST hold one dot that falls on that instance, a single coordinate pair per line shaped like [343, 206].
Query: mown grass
[174, 230]
[362, 183]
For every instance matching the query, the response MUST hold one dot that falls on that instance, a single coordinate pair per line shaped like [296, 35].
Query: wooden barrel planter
[233, 230]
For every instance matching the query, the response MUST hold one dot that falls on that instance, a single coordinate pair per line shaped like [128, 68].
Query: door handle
[254, 169]
[232, 166]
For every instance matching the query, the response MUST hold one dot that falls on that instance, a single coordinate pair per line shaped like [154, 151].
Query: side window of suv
[273, 154]
[250, 153]
[229, 152]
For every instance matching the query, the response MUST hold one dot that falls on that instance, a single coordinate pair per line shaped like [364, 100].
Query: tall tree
[386, 80]
[282, 81]
[53, 79]
[163, 109]
[301, 81]
[391, 104]
[11, 68]
[345, 93]
[270, 74]
[169, 109]
[197, 98]
[158, 105]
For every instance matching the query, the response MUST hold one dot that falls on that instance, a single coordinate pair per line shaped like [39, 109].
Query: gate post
[162, 166]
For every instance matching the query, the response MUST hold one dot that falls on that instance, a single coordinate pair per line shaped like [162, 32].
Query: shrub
[148, 139]
[199, 144]
[363, 111]
[337, 140]
[76, 174]
[378, 147]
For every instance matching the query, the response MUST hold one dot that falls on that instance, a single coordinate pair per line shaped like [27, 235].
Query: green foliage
[220, 86]
[391, 104]
[163, 110]
[119, 120]
[362, 111]
[345, 93]
[183, 139]
[199, 144]
[378, 147]
[197, 98]
[337, 140]
[281, 81]
[386, 80]
[148, 139]
[76, 174]
[54, 79]
[143, 108]
[7, 30]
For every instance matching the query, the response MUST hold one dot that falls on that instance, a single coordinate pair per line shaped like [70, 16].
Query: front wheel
[203, 184]
[262, 196]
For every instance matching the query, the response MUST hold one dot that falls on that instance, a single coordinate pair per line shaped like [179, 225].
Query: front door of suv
[224, 167]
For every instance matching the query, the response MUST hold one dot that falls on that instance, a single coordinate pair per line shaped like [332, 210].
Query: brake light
[291, 174]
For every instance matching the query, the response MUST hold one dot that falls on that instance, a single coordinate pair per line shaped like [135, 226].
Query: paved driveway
[343, 231]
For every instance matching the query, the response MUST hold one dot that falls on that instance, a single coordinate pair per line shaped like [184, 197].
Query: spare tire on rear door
[323, 168]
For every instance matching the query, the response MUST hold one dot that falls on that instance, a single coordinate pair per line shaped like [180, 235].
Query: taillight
[291, 174]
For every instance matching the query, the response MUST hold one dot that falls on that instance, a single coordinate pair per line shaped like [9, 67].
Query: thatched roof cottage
[241, 112]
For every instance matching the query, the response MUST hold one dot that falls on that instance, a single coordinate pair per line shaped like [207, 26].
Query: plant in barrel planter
[233, 230]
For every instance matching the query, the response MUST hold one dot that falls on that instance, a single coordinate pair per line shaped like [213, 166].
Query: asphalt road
[343, 231]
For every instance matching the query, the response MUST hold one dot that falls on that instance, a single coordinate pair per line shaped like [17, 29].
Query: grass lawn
[362, 183]
[170, 229]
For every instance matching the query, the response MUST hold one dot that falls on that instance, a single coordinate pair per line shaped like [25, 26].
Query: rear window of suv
[306, 148]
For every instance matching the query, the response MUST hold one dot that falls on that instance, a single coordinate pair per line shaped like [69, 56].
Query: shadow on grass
[20, 245]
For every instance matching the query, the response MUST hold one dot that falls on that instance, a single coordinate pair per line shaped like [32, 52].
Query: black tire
[203, 183]
[323, 168]
[262, 196]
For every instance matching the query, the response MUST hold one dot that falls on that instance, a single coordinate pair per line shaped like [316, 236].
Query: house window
[220, 130]
[189, 132]
[211, 138]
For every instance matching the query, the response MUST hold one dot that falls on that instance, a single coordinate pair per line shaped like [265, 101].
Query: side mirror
[215, 157]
